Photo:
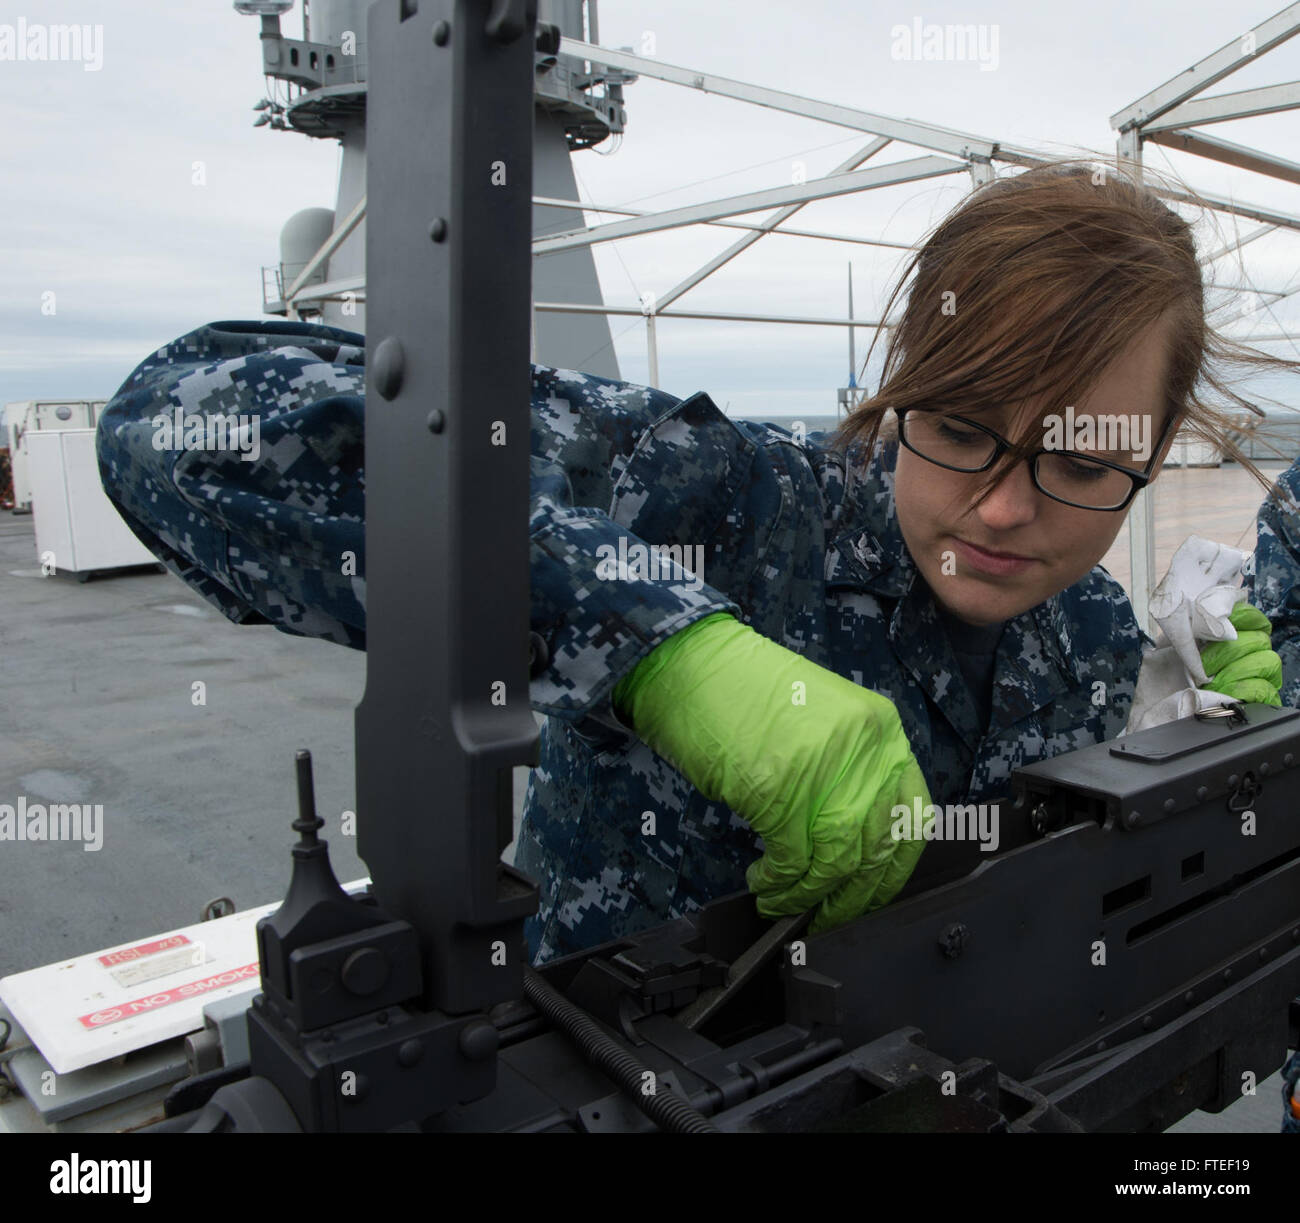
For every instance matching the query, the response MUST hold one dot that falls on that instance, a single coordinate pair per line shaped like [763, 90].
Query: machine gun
[1126, 956]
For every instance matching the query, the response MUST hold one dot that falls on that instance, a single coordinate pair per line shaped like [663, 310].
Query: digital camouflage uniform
[1291, 1092]
[1271, 578]
[800, 542]
[1271, 581]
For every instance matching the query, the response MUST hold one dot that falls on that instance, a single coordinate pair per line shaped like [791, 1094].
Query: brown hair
[1053, 272]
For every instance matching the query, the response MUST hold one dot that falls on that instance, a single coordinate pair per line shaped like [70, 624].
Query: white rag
[1191, 605]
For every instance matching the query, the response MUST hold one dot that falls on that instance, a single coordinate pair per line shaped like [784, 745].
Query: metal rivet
[364, 972]
[436, 420]
[1169, 804]
[438, 229]
[1189, 997]
[1201, 794]
[1288, 759]
[1263, 768]
[953, 940]
[389, 367]
[410, 1052]
[1232, 781]
[1148, 1022]
[441, 32]
[1227, 974]
[1132, 819]
[539, 655]
[478, 1040]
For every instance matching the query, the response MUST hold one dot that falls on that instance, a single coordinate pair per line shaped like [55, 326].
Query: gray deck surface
[197, 800]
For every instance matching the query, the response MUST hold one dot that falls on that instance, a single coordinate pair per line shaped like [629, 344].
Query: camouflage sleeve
[614, 466]
[1273, 583]
[236, 455]
[1291, 1095]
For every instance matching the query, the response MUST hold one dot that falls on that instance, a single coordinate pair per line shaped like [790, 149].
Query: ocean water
[811, 424]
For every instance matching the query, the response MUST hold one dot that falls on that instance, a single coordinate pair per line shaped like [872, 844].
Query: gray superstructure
[578, 106]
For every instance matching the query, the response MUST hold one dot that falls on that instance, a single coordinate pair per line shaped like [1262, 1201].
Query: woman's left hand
[1246, 669]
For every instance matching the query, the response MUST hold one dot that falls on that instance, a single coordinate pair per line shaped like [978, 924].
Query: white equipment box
[30, 415]
[75, 520]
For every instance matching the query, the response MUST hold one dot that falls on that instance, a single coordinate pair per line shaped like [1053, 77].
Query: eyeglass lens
[1064, 474]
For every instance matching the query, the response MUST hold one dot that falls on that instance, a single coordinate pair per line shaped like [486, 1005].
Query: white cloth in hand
[1191, 605]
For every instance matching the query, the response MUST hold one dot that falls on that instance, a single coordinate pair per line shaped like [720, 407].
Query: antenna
[853, 363]
[847, 399]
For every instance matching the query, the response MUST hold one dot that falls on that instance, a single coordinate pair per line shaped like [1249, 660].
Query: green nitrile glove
[813, 762]
[1246, 669]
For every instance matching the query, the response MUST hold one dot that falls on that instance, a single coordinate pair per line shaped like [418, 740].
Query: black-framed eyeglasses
[1077, 480]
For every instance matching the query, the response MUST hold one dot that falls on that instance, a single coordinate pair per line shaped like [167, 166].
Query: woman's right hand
[813, 762]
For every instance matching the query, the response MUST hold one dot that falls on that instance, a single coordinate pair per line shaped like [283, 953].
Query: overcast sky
[101, 208]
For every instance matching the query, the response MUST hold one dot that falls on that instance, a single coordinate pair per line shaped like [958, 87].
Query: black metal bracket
[374, 1015]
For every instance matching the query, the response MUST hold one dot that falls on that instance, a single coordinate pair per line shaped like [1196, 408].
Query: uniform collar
[868, 552]
[1036, 656]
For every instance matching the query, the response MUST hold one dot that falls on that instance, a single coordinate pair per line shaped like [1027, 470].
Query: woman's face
[940, 523]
